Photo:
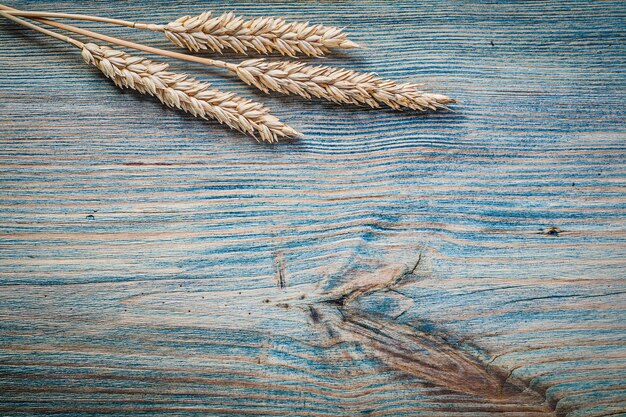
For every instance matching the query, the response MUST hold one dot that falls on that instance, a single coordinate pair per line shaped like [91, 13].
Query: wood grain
[388, 264]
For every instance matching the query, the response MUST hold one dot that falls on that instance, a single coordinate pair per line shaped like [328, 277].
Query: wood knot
[551, 231]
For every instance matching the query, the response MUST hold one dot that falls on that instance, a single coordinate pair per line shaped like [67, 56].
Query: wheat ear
[333, 84]
[185, 93]
[264, 35]
[337, 85]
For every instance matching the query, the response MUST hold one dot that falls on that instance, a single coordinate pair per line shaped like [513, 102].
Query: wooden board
[387, 264]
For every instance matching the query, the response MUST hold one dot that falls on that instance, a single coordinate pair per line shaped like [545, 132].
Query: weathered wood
[467, 263]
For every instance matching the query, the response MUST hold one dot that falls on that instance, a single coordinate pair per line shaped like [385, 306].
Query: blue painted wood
[140, 248]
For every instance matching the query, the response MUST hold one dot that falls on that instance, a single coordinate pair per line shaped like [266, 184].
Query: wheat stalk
[185, 93]
[173, 89]
[228, 31]
[337, 85]
[334, 84]
[263, 34]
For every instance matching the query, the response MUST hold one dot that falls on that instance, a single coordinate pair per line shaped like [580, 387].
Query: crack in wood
[280, 270]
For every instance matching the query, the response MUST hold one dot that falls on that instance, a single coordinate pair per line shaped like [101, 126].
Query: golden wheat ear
[337, 85]
[263, 35]
[186, 93]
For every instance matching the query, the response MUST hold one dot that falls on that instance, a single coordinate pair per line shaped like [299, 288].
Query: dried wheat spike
[337, 85]
[263, 35]
[186, 93]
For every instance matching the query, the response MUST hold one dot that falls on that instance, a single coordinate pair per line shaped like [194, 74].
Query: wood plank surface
[469, 263]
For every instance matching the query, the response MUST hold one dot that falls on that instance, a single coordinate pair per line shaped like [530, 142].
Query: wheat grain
[337, 85]
[186, 93]
[263, 35]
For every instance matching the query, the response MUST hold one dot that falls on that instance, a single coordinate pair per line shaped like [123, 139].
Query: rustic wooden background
[460, 264]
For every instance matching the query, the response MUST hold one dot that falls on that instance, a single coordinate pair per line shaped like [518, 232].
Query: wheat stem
[27, 24]
[129, 44]
[118, 22]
